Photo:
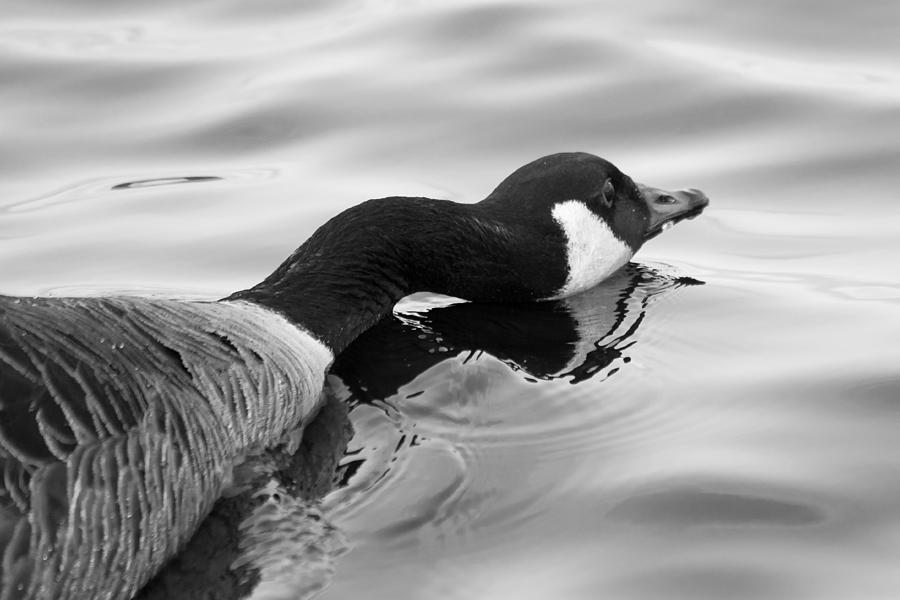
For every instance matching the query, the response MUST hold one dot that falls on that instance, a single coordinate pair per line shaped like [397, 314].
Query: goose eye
[607, 193]
[665, 199]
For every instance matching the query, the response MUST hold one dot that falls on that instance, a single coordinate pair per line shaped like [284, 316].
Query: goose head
[553, 228]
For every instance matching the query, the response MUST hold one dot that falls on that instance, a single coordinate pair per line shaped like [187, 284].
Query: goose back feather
[120, 421]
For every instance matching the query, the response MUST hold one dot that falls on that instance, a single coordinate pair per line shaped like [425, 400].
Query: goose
[267, 536]
[122, 418]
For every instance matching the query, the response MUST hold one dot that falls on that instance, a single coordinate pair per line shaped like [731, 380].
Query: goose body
[122, 418]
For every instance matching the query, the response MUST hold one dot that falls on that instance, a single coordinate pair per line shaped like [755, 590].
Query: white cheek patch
[593, 251]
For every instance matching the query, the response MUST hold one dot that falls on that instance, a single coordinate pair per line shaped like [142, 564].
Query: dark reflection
[145, 183]
[277, 491]
[573, 338]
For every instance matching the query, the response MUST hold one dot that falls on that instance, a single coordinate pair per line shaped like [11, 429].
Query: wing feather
[120, 419]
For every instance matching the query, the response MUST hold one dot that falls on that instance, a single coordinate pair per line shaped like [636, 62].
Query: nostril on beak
[699, 196]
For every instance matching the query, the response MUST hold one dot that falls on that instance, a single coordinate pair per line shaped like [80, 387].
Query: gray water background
[750, 447]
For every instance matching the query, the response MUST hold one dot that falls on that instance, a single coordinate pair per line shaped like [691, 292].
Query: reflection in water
[574, 338]
[777, 381]
[270, 539]
[407, 383]
[267, 536]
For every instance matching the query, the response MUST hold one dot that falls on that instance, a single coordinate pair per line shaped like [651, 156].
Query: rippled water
[741, 440]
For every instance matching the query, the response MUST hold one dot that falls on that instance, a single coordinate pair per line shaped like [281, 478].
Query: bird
[122, 418]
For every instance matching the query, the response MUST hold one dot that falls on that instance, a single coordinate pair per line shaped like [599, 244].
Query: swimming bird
[121, 418]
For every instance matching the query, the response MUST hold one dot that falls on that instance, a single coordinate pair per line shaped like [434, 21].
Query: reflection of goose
[575, 337]
[121, 419]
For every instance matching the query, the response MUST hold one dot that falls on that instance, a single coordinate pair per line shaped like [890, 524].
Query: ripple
[714, 579]
[145, 183]
[485, 407]
[862, 82]
[411, 488]
[869, 292]
[449, 461]
[98, 187]
[472, 412]
[693, 507]
[478, 477]
[68, 42]
[106, 288]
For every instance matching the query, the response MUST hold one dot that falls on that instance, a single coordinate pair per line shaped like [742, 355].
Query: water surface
[743, 441]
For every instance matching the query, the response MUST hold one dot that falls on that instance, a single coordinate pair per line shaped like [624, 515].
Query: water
[746, 449]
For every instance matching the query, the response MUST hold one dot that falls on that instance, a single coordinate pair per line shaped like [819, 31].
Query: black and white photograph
[428, 300]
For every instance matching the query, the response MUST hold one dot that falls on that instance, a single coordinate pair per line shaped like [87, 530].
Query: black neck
[353, 269]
